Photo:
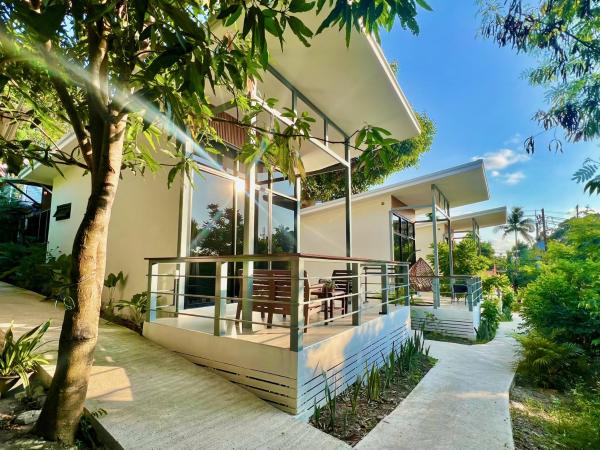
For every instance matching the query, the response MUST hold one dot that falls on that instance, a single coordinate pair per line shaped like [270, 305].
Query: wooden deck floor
[275, 336]
[156, 399]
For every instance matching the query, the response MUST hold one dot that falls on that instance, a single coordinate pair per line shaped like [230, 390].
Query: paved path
[462, 403]
[157, 400]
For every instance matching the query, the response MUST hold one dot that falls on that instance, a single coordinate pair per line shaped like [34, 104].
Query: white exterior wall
[324, 233]
[144, 222]
[424, 239]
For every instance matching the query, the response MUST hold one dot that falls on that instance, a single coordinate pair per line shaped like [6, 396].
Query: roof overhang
[39, 173]
[462, 185]
[486, 218]
[353, 85]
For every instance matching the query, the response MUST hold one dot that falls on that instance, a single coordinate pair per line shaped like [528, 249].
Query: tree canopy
[564, 35]
[466, 258]
[518, 224]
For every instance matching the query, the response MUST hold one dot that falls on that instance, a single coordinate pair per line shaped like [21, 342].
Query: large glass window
[404, 239]
[217, 219]
[284, 226]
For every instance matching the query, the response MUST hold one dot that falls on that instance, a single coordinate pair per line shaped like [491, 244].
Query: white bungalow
[404, 222]
[229, 287]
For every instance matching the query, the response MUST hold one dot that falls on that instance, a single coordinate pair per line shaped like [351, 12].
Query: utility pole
[537, 226]
[544, 230]
[577, 211]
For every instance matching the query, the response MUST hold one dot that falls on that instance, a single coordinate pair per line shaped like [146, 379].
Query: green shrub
[550, 364]
[24, 265]
[556, 304]
[508, 300]
[489, 321]
[30, 267]
[20, 357]
[137, 306]
[495, 282]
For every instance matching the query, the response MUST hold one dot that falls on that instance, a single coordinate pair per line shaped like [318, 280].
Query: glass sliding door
[404, 239]
[216, 225]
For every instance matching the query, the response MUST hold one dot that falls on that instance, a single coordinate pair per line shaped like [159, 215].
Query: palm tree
[519, 224]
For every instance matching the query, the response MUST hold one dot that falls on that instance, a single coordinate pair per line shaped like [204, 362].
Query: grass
[437, 336]
[547, 419]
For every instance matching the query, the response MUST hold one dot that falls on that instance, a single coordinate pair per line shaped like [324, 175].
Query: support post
[384, 289]
[297, 304]
[356, 311]
[297, 213]
[248, 244]
[436, 262]
[152, 291]
[348, 192]
[451, 256]
[220, 298]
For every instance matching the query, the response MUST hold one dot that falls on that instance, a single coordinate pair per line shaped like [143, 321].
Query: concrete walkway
[156, 399]
[462, 403]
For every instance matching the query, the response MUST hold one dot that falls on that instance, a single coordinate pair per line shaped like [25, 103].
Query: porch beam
[288, 122]
[305, 99]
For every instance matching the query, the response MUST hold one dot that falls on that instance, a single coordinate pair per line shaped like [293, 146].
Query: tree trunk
[62, 411]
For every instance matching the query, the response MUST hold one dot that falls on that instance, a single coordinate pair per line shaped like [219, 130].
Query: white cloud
[495, 173]
[514, 178]
[514, 140]
[501, 159]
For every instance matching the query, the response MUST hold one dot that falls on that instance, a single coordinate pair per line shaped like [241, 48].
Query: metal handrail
[391, 275]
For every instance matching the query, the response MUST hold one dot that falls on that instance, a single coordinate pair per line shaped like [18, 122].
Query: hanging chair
[421, 276]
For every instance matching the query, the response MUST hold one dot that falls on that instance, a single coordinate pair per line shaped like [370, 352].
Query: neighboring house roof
[486, 218]
[464, 222]
[462, 185]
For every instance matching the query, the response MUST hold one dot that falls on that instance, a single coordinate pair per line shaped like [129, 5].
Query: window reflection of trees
[216, 234]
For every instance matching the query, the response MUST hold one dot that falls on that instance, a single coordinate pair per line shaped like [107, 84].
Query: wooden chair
[276, 286]
[341, 286]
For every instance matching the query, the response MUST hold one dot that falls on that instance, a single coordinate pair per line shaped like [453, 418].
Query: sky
[482, 105]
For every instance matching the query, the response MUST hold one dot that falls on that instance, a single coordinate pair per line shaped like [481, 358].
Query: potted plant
[19, 358]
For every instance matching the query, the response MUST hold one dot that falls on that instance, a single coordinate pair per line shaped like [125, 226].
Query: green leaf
[3, 80]
[300, 30]
[423, 4]
[234, 16]
[298, 6]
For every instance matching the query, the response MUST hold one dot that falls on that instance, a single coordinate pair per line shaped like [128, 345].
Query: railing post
[152, 291]
[220, 297]
[246, 294]
[470, 293]
[356, 310]
[297, 304]
[384, 289]
[406, 282]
